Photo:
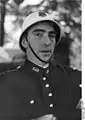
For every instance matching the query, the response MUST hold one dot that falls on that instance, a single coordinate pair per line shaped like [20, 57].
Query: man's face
[42, 37]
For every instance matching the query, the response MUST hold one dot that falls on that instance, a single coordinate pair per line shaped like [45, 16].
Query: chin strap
[36, 54]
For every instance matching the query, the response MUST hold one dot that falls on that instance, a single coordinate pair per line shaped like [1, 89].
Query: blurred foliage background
[67, 12]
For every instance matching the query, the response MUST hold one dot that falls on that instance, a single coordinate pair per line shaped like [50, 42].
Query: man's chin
[46, 59]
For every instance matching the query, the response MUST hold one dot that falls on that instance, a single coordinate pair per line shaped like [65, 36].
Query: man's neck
[39, 63]
[31, 57]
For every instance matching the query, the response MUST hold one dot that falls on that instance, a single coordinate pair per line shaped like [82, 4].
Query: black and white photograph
[41, 64]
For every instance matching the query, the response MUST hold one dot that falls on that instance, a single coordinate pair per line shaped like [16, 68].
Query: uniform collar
[31, 66]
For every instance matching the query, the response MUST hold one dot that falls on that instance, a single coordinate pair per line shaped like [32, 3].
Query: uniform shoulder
[10, 73]
[68, 69]
[74, 75]
[71, 70]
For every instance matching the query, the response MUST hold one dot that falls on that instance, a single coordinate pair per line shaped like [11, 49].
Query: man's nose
[47, 40]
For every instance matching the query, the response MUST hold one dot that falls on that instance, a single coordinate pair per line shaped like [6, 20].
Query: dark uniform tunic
[31, 91]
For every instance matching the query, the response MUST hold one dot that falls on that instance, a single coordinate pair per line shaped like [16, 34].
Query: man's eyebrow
[38, 30]
[41, 30]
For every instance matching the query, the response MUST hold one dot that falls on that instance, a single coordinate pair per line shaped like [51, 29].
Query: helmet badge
[42, 14]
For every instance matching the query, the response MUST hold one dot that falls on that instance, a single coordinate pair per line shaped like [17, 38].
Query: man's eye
[52, 35]
[38, 34]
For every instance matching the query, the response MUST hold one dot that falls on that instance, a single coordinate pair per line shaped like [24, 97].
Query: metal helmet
[36, 17]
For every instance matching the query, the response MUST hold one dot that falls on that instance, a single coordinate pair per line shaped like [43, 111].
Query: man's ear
[24, 43]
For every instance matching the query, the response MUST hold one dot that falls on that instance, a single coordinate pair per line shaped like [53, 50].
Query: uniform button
[18, 67]
[51, 105]
[47, 71]
[44, 78]
[80, 85]
[47, 85]
[32, 102]
[50, 94]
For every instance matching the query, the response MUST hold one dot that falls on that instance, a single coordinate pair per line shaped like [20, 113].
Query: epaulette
[11, 70]
[69, 68]
[73, 71]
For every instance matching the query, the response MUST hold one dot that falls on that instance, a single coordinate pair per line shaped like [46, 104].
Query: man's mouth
[46, 51]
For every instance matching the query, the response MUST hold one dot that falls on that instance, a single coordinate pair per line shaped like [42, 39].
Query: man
[38, 90]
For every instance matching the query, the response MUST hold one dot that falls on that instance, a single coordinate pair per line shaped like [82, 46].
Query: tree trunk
[2, 10]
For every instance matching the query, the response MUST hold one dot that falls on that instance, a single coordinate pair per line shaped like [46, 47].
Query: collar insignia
[35, 69]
